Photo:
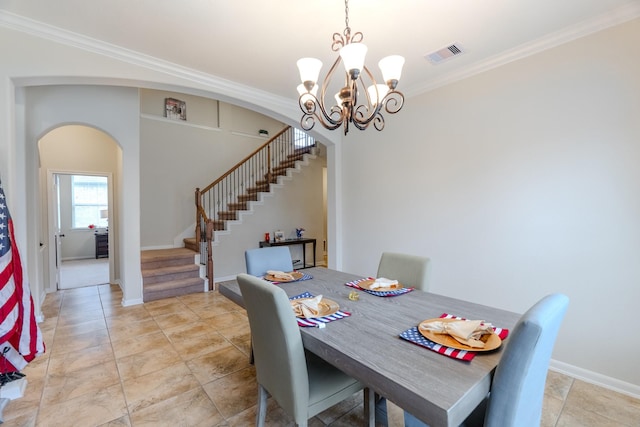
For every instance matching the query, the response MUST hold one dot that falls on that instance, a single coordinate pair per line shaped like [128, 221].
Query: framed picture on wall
[175, 109]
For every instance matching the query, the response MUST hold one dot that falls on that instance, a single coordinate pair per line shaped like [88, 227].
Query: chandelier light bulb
[382, 91]
[391, 67]
[353, 56]
[309, 71]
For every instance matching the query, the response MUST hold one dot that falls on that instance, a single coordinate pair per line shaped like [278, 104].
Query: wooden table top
[440, 390]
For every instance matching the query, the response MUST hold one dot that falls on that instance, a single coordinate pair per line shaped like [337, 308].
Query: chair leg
[382, 416]
[261, 411]
[369, 406]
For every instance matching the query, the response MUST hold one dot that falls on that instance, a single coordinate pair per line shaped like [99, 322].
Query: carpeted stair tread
[159, 258]
[180, 283]
[190, 243]
[171, 270]
[156, 291]
[169, 273]
[155, 254]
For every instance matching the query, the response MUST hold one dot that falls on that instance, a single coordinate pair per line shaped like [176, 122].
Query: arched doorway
[68, 152]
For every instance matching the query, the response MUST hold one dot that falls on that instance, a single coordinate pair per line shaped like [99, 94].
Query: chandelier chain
[346, 16]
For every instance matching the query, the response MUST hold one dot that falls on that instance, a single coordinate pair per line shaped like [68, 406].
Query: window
[301, 139]
[89, 196]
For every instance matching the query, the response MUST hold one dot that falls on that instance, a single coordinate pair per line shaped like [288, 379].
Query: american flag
[20, 336]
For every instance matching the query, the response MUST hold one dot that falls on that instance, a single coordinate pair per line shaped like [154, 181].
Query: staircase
[223, 200]
[173, 272]
[252, 193]
[169, 273]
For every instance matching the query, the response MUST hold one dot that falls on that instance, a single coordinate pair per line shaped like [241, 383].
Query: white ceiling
[257, 43]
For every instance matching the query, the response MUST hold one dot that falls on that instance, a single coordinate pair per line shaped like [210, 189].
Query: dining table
[439, 390]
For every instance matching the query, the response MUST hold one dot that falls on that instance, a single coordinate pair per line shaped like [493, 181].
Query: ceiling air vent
[444, 54]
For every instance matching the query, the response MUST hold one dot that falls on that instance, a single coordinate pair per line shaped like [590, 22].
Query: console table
[289, 242]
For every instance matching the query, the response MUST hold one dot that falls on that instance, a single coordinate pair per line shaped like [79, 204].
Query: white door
[55, 241]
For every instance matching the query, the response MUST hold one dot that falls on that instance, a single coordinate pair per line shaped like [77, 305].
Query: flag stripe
[20, 336]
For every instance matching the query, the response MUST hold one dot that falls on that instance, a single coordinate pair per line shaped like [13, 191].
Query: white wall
[518, 182]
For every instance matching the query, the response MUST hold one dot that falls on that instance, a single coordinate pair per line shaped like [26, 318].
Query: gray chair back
[409, 270]
[259, 261]
[517, 390]
[280, 362]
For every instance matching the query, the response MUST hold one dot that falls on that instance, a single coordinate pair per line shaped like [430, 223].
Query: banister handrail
[243, 161]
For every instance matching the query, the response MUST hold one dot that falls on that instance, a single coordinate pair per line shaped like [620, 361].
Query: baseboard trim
[596, 379]
[225, 278]
[130, 302]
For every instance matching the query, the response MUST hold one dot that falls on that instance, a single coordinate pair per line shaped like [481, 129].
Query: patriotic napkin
[280, 274]
[467, 332]
[391, 293]
[413, 335]
[305, 276]
[316, 321]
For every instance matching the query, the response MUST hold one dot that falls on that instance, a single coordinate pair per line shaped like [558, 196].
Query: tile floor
[184, 362]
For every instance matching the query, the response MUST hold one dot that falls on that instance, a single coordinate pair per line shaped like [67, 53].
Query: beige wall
[518, 182]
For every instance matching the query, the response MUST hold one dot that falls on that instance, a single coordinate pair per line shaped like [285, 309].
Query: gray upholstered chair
[259, 261]
[517, 390]
[301, 383]
[410, 270]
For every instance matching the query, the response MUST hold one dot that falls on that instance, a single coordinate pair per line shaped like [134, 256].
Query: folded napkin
[307, 308]
[384, 293]
[280, 275]
[467, 332]
[383, 282]
[318, 322]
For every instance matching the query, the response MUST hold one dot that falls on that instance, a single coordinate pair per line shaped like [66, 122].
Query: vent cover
[444, 54]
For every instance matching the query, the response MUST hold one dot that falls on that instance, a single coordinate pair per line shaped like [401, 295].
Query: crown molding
[582, 29]
[275, 106]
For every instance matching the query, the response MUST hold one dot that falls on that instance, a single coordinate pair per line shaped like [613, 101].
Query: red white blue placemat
[391, 293]
[413, 335]
[316, 321]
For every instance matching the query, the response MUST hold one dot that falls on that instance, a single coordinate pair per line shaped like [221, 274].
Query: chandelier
[359, 102]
